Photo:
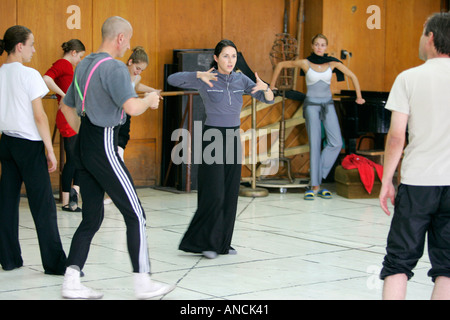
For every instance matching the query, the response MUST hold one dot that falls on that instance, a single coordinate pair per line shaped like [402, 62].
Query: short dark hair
[13, 36]
[219, 47]
[439, 24]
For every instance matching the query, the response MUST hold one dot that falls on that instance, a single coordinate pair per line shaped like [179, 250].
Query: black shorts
[420, 211]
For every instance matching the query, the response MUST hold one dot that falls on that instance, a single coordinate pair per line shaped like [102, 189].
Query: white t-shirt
[424, 94]
[19, 85]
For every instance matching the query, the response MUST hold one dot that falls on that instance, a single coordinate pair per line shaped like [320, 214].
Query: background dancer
[318, 108]
[25, 138]
[137, 63]
[58, 79]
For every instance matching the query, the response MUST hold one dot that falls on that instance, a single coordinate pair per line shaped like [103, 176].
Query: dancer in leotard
[319, 108]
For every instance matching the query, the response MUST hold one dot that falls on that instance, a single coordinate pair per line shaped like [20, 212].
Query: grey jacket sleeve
[185, 80]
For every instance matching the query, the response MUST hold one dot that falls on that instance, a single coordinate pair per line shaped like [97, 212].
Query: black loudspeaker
[174, 109]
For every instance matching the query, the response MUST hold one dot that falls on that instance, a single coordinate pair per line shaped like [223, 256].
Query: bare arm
[41, 120]
[140, 87]
[393, 152]
[351, 75]
[71, 116]
[53, 86]
[282, 65]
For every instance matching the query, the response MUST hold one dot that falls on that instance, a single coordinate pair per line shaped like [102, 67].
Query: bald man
[97, 103]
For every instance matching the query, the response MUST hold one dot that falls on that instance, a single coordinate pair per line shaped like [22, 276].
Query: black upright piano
[358, 120]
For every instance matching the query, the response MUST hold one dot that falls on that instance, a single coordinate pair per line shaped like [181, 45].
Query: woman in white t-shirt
[24, 141]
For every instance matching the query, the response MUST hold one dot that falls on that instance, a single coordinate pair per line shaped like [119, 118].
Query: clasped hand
[153, 99]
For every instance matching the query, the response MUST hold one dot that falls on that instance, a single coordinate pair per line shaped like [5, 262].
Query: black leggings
[69, 173]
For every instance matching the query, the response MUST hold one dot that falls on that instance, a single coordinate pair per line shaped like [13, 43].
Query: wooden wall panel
[142, 16]
[47, 19]
[312, 24]
[313, 18]
[187, 24]
[404, 20]
[379, 55]
[252, 26]
[8, 11]
[143, 170]
[345, 25]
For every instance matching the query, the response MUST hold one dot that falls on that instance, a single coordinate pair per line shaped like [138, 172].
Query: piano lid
[375, 96]
[369, 117]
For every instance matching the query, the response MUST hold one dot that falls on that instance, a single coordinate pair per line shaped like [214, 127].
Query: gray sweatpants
[321, 161]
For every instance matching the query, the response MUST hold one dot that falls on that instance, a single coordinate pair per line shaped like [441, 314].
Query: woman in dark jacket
[221, 89]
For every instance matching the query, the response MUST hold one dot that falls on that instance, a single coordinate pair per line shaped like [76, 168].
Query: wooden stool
[349, 185]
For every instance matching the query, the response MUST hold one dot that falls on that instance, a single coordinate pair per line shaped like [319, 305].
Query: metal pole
[253, 191]
[254, 155]
[188, 165]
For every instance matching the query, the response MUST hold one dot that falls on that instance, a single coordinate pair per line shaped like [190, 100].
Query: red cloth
[365, 168]
[62, 73]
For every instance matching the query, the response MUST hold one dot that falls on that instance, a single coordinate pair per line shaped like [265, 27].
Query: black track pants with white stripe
[101, 169]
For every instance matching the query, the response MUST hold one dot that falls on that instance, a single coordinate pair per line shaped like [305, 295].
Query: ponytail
[13, 36]
[2, 46]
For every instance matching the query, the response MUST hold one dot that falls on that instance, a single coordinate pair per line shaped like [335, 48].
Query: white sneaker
[73, 289]
[146, 288]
